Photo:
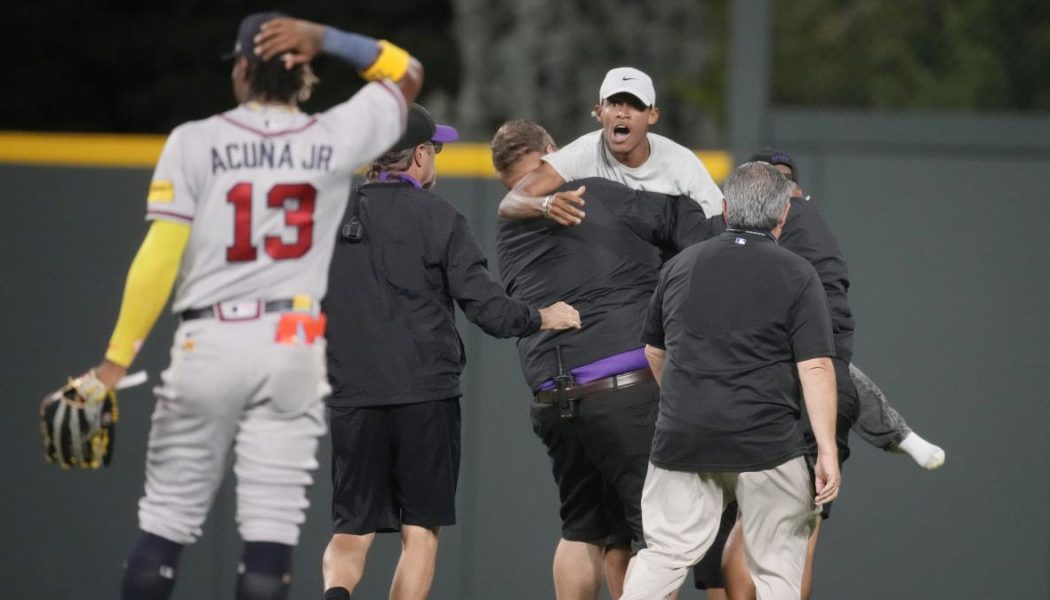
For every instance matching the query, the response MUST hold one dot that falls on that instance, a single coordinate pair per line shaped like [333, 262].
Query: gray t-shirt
[671, 169]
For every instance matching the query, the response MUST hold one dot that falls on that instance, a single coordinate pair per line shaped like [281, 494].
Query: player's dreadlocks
[271, 81]
[397, 161]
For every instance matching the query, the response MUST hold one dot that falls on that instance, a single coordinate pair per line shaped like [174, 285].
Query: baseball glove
[77, 423]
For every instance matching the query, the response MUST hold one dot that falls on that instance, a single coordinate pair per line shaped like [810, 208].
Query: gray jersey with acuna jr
[263, 189]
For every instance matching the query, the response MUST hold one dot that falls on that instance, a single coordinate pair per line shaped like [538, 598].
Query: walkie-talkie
[567, 409]
[354, 230]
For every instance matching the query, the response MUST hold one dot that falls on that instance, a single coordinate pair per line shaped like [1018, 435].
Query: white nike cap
[631, 81]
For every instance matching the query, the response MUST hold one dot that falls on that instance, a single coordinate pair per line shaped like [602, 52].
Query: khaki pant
[681, 512]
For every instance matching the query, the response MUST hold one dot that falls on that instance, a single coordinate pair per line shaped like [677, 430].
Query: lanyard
[386, 176]
[765, 233]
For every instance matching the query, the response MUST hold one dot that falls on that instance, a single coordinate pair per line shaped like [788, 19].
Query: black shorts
[708, 572]
[599, 459]
[394, 465]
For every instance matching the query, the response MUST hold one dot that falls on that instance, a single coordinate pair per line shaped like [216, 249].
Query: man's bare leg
[415, 569]
[616, 560]
[811, 551]
[739, 585]
[577, 570]
[344, 560]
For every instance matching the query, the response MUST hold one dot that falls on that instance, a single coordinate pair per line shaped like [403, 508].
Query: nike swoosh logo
[629, 78]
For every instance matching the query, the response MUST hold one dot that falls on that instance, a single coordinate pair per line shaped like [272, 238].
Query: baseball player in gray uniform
[244, 208]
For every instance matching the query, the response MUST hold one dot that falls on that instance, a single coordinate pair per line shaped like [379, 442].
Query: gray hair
[756, 194]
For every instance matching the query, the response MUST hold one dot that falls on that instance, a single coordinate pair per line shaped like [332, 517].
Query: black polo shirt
[808, 235]
[606, 267]
[392, 335]
[735, 314]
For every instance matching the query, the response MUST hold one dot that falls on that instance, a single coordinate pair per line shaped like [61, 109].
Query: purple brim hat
[421, 128]
[444, 134]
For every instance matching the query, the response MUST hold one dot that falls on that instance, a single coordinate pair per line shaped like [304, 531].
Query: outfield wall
[942, 224]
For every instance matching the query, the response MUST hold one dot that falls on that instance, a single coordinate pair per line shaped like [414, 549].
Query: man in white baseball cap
[622, 150]
[631, 81]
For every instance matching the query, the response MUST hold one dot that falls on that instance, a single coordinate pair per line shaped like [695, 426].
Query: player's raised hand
[299, 41]
[566, 208]
[559, 316]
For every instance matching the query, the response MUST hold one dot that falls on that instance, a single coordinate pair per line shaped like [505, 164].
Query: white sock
[926, 455]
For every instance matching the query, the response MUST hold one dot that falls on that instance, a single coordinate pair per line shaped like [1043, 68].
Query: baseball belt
[237, 311]
[605, 384]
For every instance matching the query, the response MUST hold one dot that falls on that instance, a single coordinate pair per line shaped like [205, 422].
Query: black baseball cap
[250, 26]
[421, 128]
[776, 157]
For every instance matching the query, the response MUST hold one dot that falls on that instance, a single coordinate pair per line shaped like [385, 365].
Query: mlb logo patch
[740, 241]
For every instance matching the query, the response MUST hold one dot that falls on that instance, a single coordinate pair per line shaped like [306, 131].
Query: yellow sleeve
[150, 280]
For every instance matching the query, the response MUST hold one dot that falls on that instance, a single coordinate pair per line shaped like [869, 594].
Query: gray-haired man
[728, 426]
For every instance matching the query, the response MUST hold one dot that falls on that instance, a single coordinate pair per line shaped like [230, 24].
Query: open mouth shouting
[620, 133]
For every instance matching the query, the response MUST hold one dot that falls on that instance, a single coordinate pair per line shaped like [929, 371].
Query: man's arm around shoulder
[534, 197]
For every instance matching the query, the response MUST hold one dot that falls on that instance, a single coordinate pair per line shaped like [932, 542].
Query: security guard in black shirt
[597, 427]
[404, 259]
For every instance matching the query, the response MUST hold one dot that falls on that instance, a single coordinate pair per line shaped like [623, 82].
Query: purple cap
[421, 128]
[777, 157]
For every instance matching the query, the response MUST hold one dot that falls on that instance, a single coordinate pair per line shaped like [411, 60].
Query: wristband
[356, 49]
[392, 63]
[546, 206]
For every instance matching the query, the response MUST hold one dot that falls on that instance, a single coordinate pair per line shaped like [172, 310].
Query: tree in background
[545, 59]
[140, 67]
[976, 55]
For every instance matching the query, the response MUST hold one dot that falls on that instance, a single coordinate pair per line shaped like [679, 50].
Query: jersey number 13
[300, 218]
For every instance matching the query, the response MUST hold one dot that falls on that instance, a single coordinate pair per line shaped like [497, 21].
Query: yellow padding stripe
[475, 160]
[719, 163]
[81, 149]
[136, 150]
[465, 160]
